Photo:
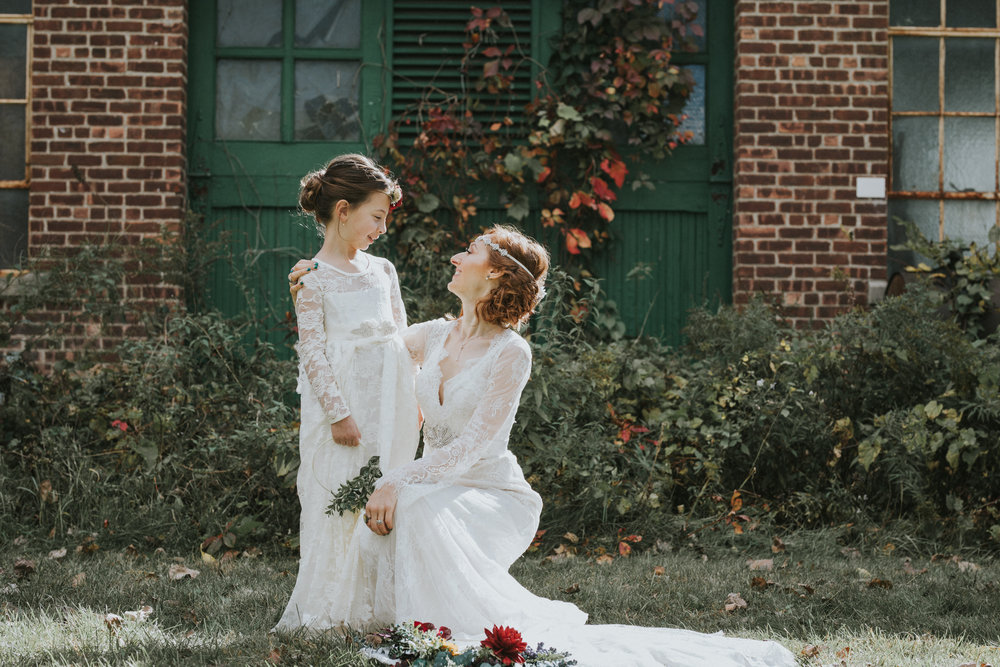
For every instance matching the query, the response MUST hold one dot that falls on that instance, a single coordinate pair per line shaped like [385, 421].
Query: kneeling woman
[446, 528]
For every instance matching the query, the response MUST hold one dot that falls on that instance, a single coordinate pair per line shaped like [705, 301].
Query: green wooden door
[673, 247]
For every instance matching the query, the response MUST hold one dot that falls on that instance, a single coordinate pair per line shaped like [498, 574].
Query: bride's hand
[380, 510]
[301, 268]
[345, 432]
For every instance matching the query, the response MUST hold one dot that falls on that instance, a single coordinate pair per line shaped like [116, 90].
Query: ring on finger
[379, 522]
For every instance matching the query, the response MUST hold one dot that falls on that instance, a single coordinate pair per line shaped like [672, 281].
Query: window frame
[25, 183]
[254, 172]
[942, 33]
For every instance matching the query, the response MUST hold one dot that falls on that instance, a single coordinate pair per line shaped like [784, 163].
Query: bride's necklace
[461, 345]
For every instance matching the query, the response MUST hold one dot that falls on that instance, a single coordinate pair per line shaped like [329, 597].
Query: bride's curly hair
[351, 177]
[517, 293]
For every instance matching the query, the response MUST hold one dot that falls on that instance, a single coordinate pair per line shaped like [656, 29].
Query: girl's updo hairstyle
[351, 177]
[517, 293]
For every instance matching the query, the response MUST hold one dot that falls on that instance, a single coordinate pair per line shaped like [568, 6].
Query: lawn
[882, 604]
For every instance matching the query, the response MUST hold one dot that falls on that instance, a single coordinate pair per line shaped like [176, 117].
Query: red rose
[444, 633]
[423, 627]
[506, 644]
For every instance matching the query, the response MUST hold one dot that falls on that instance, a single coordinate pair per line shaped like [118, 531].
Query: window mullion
[288, 71]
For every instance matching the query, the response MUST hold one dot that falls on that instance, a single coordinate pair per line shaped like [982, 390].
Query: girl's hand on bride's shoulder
[345, 432]
[380, 510]
[301, 268]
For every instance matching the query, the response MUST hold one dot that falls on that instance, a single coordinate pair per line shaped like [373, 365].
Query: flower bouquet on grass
[416, 644]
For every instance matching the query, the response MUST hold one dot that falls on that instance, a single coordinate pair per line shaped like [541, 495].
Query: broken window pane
[248, 100]
[328, 23]
[326, 100]
[248, 23]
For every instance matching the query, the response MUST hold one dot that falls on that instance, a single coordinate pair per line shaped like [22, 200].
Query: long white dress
[465, 513]
[352, 361]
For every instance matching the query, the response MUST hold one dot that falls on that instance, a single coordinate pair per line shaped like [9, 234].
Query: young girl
[355, 377]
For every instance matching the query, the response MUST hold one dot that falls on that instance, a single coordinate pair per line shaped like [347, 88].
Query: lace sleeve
[416, 337]
[396, 298]
[313, 364]
[487, 429]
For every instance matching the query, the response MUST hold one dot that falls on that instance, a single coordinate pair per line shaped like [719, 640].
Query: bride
[443, 530]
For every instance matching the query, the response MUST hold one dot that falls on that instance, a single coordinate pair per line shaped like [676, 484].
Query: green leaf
[428, 203]
[567, 112]
[933, 409]
[868, 451]
[519, 208]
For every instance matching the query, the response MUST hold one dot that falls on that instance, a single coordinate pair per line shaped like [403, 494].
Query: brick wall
[108, 145]
[812, 102]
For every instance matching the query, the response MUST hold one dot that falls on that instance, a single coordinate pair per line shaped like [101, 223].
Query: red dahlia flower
[423, 627]
[444, 632]
[506, 644]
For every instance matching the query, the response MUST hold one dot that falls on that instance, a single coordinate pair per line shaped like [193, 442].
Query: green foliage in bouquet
[353, 494]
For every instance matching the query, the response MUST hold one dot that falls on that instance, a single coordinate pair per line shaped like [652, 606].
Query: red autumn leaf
[606, 212]
[575, 239]
[601, 189]
[544, 174]
[581, 199]
[616, 170]
[494, 12]
[495, 126]
[624, 549]
[491, 68]
[492, 52]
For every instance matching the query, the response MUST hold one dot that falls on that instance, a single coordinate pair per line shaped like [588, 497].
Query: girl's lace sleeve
[313, 363]
[486, 431]
[396, 298]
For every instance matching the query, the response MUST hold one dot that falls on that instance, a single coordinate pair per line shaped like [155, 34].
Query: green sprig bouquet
[353, 494]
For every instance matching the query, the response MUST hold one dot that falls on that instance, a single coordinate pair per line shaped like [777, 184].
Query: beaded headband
[503, 251]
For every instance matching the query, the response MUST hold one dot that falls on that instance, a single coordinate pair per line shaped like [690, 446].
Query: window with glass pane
[288, 71]
[944, 117]
[15, 55]
[690, 22]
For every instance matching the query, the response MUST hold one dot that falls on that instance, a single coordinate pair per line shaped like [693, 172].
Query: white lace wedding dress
[352, 361]
[465, 513]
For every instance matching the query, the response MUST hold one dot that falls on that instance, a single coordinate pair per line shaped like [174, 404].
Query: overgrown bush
[179, 435]
[884, 414]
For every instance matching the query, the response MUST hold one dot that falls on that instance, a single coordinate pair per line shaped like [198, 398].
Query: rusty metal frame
[942, 33]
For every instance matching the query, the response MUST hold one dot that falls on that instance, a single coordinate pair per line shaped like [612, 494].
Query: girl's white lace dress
[352, 361]
[465, 513]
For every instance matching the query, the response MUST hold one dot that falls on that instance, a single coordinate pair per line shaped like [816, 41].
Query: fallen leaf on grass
[760, 583]
[967, 566]
[604, 559]
[777, 546]
[766, 564]
[140, 614]
[844, 653]
[850, 552]
[113, 622]
[79, 579]
[252, 552]
[659, 571]
[571, 537]
[274, 657]
[178, 572]
[573, 588]
[880, 583]
[810, 650]
[909, 569]
[20, 540]
[56, 554]
[24, 568]
[734, 602]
